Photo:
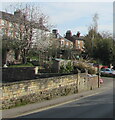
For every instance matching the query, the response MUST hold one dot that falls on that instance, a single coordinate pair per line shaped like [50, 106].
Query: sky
[74, 16]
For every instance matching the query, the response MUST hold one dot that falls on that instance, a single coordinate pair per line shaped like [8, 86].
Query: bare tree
[92, 34]
[106, 34]
[95, 20]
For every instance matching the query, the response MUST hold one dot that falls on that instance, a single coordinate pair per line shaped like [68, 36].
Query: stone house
[78, 41]
[63, 42]
[11, 25]
[64, 45]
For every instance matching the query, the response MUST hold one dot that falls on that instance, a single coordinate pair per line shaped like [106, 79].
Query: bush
[80, 66]
[68, 68]
[83, 66]
[35, 63]
[91, 70]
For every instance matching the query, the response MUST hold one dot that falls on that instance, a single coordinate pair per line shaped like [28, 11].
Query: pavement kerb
[37, 107]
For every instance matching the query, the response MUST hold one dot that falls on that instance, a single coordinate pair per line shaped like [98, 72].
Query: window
[71, 45]
[67, 43]
[2, 22]
[62, 42]
[78, 42]
[78, 46]
[0, 32]
[10, 33]
[3, 31]
[11, 25]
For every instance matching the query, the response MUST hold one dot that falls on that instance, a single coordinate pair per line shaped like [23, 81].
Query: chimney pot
[55, 32]
[78, 34]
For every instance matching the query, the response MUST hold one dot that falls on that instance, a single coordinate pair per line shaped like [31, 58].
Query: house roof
[14, 19]
[63, 38]
[7, 16]
[75, 37]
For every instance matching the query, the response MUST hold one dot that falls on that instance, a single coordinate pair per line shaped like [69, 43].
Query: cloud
[77, 15]
[61, 12]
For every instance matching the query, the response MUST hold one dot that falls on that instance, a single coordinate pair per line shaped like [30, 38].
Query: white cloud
[77, 10]
[61, 13]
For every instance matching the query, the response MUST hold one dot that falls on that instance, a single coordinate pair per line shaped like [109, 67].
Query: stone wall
[57, 63]
[23, 92]
[86, 82]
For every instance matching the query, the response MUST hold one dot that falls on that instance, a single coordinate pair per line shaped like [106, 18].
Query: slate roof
[74, 37]
[6, 16]
[63, 38]
[77, 38]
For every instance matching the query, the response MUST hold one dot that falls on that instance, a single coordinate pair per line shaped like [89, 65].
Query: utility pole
[94, 30]
[92, 40]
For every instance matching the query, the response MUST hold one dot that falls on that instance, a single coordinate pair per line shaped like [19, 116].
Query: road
[99, 105]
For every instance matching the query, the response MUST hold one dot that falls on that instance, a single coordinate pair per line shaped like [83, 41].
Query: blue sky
[76, 16]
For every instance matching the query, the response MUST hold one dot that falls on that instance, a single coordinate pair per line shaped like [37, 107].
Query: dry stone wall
[38, 90]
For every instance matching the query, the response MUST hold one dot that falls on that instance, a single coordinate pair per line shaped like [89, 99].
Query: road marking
[46, 108]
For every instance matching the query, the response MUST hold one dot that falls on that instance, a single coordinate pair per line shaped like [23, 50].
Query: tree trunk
[17, 52]
[4, 56]
[24, 59]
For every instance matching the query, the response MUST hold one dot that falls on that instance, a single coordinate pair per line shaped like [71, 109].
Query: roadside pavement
[37, 107]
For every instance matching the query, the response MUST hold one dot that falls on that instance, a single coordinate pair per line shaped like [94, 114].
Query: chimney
[55, 32]
[68, 34]
[78, 34]
[18, 13]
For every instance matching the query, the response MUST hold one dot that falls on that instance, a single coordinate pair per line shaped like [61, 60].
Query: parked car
[113, 68]
[107, 72]
[102, 67]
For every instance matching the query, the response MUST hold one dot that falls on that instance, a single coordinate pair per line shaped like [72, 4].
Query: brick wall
[38, 90]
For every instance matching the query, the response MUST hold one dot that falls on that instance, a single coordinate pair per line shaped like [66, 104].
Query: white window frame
[78, 42]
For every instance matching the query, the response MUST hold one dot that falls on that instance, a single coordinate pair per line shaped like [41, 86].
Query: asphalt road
[96, 106]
